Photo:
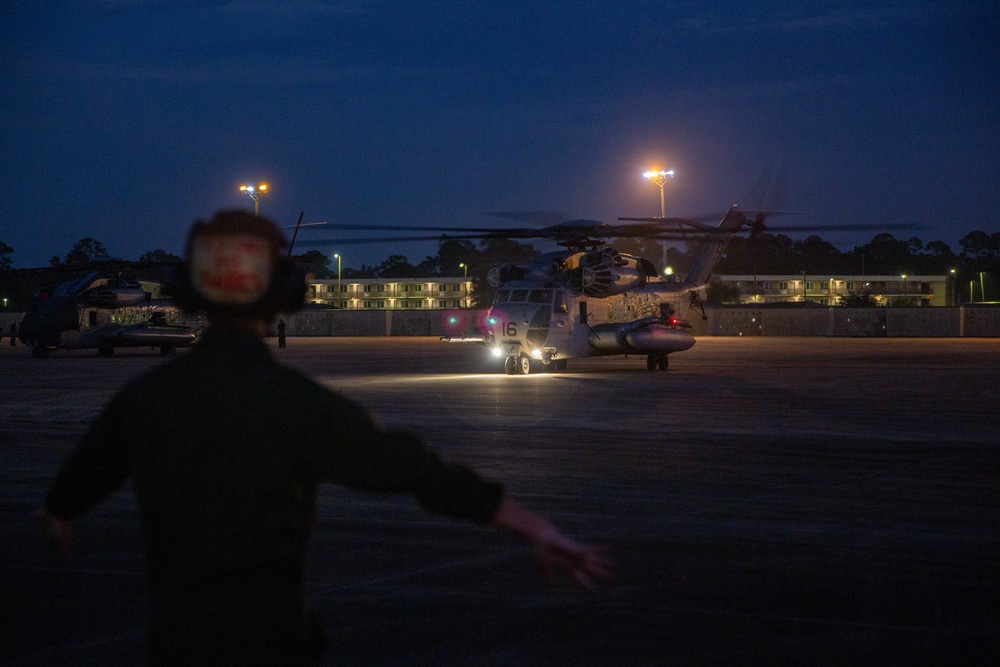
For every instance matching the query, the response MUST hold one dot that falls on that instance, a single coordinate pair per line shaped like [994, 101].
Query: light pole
[340, 286]
[982, 287]
[465, 285]
[660, 177]
[906, 301]
[954, 286]
[255, 192]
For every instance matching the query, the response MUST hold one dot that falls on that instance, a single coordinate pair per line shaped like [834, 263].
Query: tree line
[758, 254]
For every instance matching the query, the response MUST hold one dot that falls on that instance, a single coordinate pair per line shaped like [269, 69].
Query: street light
[954, 286]
[340, 288]
[660, 177]
[465, 285]
[255, 192]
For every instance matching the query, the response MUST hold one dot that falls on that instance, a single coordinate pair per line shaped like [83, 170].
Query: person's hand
[56, 531]
[583, 562]
[553, 548]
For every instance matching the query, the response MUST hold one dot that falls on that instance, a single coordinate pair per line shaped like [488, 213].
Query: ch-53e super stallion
[103, 310]
[588, 299]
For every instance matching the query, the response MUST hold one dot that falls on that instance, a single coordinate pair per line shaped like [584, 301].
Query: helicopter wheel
[523, 365]
[657, 360]
[510, 366]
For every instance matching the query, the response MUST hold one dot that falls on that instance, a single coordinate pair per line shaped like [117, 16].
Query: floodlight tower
[255, 192]
[660, 177]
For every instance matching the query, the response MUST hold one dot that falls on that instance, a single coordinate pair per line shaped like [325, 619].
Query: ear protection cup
[183, 292]
[287, 292]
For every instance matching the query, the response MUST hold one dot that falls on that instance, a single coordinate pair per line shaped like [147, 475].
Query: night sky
[127, 120]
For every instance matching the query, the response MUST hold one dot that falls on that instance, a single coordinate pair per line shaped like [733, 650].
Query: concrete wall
[983, 321]
[370, 322]
[971, 321]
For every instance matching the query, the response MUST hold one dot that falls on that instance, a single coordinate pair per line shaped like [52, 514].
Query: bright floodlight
[255, 192]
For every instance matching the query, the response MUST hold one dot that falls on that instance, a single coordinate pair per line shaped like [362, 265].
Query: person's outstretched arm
[553, 548]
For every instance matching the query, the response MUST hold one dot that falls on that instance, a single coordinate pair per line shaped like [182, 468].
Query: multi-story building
[827, 289]
[391, 293]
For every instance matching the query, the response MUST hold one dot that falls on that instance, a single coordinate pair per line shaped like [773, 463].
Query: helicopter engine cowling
[506, 272]
[606, 272]
[110, 297]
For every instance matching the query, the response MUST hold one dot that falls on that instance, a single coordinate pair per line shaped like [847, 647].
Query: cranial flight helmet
[234, 266]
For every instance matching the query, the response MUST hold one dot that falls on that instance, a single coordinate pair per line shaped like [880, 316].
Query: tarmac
[769, 501]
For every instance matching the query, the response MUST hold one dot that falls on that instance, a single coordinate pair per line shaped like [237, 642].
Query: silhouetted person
[226, 479]
[13, 334]
[281, 333]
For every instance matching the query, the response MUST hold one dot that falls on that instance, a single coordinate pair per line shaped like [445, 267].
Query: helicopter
[108, 309]
[103, 310]
[588, 299]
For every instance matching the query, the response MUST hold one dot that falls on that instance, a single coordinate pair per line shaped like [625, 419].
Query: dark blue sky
[127, 120]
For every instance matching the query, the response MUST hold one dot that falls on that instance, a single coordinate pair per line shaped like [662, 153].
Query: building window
[380, 288]
[783, 285]
[367, 304]
[456, 287]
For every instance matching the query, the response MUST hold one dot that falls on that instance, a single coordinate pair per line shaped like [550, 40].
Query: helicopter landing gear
[657, 360]
[517, 365]
[555, 365]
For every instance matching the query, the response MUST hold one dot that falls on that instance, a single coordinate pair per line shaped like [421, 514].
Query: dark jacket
[225, 448]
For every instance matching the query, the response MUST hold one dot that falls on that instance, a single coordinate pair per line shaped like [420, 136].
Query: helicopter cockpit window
[540, 296]
[519, 295]
[502, 295]
[559, 303]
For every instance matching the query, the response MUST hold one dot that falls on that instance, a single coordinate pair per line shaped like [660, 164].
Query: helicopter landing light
[537, 354]
[497, 352]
